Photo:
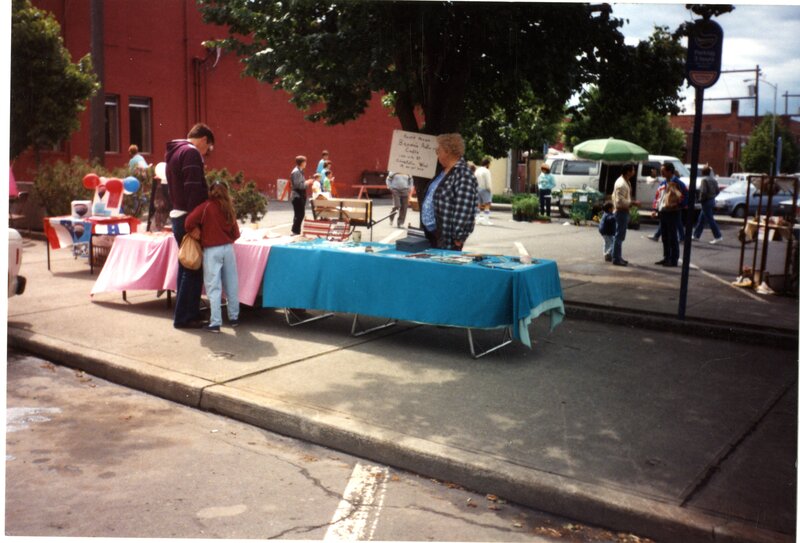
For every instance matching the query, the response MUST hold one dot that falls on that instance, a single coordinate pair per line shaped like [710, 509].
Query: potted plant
[633, 221]
[516, 209]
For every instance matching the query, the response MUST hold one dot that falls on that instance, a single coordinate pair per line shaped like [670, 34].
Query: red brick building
[723, 137]
[160, 80]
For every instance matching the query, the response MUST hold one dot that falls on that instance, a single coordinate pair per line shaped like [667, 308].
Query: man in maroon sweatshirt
[188, 189]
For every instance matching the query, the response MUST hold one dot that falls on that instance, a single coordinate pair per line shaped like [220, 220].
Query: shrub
[57, 185]
[247, 200]
[501, 199]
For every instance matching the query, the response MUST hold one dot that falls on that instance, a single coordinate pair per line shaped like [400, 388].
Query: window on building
[139, 111]
[112, 123]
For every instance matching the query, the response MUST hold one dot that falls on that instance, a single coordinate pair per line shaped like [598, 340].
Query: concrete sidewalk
[677, 430]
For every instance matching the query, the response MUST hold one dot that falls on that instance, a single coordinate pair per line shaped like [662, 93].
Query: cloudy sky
[767, 35]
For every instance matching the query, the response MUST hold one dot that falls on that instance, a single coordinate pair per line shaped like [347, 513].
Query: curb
[559, 495]
[716, 329]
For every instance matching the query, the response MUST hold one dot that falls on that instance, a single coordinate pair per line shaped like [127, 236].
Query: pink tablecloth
[150, 262]
[140, 262]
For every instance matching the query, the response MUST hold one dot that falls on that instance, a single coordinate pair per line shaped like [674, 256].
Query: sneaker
[213, 328]
[234, 323]
[608, 258]
[716, 240]
[695, 238]
[652, 237]
[488, 222]
[620, 262]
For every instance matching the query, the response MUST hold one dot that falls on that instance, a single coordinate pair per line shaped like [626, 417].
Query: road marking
[18, 418]
[724, 282]
[356, 518]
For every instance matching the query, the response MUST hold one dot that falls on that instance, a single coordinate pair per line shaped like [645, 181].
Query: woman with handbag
[218, 230]
[669, 214]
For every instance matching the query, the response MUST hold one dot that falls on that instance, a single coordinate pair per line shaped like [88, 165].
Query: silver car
[731, 201]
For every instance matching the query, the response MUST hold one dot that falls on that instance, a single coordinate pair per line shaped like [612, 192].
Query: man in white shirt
[621, 198]
[484, 177]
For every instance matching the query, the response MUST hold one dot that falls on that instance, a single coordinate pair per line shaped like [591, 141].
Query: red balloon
[91, 180]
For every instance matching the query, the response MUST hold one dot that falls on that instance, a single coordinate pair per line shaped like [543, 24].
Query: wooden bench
[356, 212]
[363, 190]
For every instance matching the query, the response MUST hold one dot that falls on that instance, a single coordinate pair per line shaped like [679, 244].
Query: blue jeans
[670, 223]
[707, 215]
[608, 245]
[219, 272]
[619, 235]
[189, 283]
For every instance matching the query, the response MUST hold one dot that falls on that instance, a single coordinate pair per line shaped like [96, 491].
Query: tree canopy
[634, 103]
[758, 155]
[48, 90]
[501, 72]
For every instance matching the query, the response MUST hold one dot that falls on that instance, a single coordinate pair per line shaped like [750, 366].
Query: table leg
[353, 332]
[288, 312]
[505, 341]
[47, 242]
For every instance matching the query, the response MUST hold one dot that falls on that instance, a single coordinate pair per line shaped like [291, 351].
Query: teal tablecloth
[330, 276]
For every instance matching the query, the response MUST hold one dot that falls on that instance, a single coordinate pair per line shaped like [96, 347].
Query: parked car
[731, 201]
[16, 282]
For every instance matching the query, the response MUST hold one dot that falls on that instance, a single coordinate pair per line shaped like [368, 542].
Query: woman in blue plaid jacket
[448, 207]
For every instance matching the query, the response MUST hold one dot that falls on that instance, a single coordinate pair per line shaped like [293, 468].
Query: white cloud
[763, 35]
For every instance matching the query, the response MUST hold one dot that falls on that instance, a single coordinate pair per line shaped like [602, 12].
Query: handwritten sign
[413, 153]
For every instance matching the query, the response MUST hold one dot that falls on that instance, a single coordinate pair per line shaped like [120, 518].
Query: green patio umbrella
[610, 150]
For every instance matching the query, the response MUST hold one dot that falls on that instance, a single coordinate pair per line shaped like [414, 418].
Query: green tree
[759, 153]
[452, 62]
[622, 106]
[48, 90]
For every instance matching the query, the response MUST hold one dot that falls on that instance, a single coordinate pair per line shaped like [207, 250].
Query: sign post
[703, 63]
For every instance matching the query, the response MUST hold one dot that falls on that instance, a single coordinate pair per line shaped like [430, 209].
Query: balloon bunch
[108, 192]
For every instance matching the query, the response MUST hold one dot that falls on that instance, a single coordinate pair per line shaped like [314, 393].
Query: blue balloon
[130, 184]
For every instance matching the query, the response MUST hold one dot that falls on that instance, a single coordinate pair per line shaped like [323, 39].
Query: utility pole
[786, 97]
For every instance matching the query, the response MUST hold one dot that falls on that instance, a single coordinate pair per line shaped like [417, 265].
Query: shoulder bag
[190, 254]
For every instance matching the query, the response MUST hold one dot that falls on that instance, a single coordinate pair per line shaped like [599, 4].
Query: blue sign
[704, 57]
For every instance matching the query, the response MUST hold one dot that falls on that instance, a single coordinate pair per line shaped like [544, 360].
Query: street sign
[704, 57]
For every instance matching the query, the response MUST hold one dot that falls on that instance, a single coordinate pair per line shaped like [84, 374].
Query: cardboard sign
[413, 153]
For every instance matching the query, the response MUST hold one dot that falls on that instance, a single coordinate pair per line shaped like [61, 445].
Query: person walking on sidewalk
[546, 183]
[298, 197]
[218, 231]
[608, 225]
[399, 185]
[709, 189]
[187, 190]
[484, 177]
[621, 198]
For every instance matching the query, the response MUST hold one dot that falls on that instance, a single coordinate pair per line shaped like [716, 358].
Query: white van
[571, 172]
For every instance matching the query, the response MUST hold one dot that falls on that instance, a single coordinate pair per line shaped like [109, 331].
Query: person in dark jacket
[218, 230]
[608, 227]
[447, 211]
[187, 189]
